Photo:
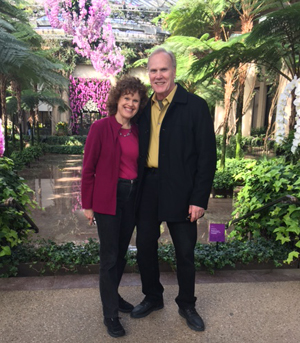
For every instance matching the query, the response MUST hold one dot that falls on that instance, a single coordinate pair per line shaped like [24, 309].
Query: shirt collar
[168, 99]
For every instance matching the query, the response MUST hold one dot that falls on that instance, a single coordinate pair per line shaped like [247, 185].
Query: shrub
[73, 145]
[69, 256]
[267, 181]
[284, 149]
[64, 149]
[26, 156]
[223, 179]
[238, 168]
[13, 227]
[64, 140]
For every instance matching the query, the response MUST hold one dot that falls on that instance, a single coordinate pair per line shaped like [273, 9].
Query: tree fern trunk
[223, 149]
[3, 82]
[239, 116]
[36, 116]
[17, 90]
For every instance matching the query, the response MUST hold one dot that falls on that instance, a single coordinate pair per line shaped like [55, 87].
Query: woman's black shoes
[114, 327]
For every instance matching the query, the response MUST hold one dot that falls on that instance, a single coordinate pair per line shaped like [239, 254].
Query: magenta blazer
[101, 163]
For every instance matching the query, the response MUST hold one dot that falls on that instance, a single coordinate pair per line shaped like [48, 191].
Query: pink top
[129, 155]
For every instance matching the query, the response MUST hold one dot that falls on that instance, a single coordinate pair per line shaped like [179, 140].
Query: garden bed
[50, 258]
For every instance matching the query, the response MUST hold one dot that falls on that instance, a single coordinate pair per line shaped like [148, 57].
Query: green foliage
[233, 174]
[275, 41]
[26, 156]
[61, 126]
[267, 181]
[239, 167]
[284, 149]
[247, 144]
[13, 227]
[73, 145]
[228, 254]
[54, 257]
[69, 256]
[64, 140]
[194, 18]
[64, 144]
[258, 131]
[223, 179]
[230, 147]
[64, 149]
[166, 253]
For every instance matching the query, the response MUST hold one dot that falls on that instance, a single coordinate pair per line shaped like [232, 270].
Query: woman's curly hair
[126, 85]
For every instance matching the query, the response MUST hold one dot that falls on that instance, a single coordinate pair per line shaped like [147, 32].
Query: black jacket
[187, 155]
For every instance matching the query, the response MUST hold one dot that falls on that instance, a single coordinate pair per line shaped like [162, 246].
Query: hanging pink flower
[81, 91]
[88, 22]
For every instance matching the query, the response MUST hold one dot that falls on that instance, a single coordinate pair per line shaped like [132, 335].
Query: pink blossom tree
[88, 22]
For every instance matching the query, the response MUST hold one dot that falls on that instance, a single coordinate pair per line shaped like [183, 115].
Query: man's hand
[89, 215]
[195, 212]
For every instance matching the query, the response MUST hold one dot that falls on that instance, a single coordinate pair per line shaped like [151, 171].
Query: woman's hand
[89, 213]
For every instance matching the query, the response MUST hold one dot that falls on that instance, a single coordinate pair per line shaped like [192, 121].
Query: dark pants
[184, 237]
[114, 234]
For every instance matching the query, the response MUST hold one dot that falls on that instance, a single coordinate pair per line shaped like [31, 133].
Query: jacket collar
[116, 127]
[180, 96]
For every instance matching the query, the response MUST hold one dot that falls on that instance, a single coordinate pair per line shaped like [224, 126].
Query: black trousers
[114, 234]
[184, 237]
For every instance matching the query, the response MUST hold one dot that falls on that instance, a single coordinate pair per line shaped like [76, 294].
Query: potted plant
[61, 128]
[223, 183]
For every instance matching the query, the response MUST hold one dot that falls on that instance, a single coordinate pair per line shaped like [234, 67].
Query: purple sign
[217, 232]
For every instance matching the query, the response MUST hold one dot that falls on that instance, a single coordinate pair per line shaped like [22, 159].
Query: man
[176, 169]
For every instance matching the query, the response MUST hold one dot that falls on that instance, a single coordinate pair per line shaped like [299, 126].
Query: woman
[108, 188]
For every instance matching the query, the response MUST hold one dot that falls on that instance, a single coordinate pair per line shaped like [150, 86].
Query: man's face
[161, 74]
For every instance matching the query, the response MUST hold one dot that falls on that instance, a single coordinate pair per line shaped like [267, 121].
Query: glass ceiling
[130, 19]
[152, 4]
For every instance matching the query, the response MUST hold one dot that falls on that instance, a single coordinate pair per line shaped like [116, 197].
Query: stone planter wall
[40, 269]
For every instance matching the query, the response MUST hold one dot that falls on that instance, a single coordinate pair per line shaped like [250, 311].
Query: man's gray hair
[160, 50]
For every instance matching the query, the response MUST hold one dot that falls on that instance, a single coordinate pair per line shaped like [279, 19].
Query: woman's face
[128, 106]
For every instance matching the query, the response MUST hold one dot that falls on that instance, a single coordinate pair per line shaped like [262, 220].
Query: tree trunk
[229, 88]
[13, 131]
[239, 116]
[3, 83]
[32, 126]
[239, 110]
[223, 148]
[270, 117]
[17, 93]
[36, 116]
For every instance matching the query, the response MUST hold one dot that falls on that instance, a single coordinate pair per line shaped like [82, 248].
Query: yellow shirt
[158, 111]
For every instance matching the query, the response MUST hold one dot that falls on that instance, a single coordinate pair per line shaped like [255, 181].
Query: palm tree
[247, 10]
[275, 44]
[12, 54]
[201, 17]
[30, 99]
[22, 63]
[24, 69]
